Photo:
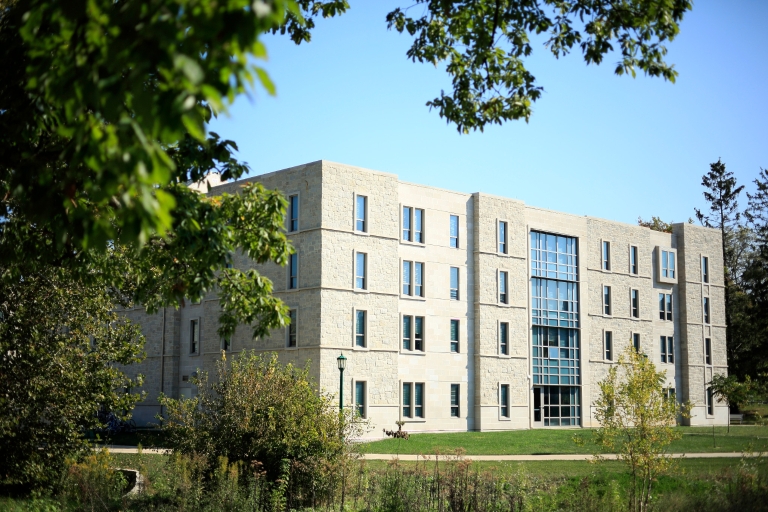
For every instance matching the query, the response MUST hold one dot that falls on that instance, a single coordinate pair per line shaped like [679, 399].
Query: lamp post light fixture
[342, 362]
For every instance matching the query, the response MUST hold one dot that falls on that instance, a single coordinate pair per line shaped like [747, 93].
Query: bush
[259, 411]
[93, 483]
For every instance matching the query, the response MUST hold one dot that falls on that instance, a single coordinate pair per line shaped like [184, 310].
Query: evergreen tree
[722, 194]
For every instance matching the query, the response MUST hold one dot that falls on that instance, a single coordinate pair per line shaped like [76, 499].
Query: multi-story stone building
[463, 311]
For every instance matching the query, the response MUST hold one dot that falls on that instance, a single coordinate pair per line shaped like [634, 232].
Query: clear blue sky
[597, 144]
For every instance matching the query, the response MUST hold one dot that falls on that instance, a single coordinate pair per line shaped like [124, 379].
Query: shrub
[92, 483]
[261, 411]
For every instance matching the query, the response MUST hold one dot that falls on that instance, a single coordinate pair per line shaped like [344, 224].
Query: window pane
[407, 399]
[406, 223]
[419, 279]
[360, 329]
[705, 269]
[294, 214]
[360, 271]
[454, 283]
[419, 333]
[293, 281]
[292, 328]
[406, 277]
[419, 400]
[419, 225]
[454, 231]
[360, 214]
[672, 265]
[407, 319]
[360, 398]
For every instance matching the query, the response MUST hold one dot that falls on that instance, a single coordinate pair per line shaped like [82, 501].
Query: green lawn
[555, 441]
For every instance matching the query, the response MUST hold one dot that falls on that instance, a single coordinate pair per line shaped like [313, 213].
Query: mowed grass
[556, 441]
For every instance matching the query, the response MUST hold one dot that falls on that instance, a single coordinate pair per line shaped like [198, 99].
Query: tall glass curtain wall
[555, 320]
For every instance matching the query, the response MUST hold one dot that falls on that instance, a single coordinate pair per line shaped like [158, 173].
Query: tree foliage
[260, 411]
[656, 224]
[59, 343]
[484, 43]
[636, 422]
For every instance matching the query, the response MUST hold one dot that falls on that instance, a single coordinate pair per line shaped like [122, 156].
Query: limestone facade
[460, 379]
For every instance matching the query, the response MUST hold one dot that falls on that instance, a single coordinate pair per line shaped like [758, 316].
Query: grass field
[545, 441]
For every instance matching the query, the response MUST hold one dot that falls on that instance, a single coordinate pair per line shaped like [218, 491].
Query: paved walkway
[406, 457]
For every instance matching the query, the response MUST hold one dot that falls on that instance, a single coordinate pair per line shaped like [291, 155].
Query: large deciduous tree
[59, 342]
[484, 43]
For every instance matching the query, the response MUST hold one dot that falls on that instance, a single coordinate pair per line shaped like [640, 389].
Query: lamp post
[342, 362]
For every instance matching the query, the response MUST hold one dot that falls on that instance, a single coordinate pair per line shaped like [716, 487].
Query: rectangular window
[454, 231]
[633, 269]
[705, 269]
[407, 223]
[360, 329]
[418, 279]
[503, 283]
[360, 271]
[407, 321]
[360, 213]
[418, 399]
[502, 237]
[608, 346]
[504, 338]
[292, 328]
[708, 350]
[607, 300]
[706, 310]
[667, 264]
[418, 333]
[407, 411]
[634, 296]
[454, 283]
[293, 218]
[636, 341]
[194, 336]
[665, 306]
[360, 399]
[710, 402]
[504, 400]
[407, 265]
[226, 343]
[667, 349]
[418, 225]
[454, 400]
[455, 336]
[293, 271]
[606, 255]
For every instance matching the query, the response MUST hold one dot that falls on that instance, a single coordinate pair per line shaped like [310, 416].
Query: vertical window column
[606, 255]
[633, 267]
[407, 224]
[606, 300]
[407, 265]
[705, 269]
[418, 279]
[194, 336]
[707, 351]
[418, 225]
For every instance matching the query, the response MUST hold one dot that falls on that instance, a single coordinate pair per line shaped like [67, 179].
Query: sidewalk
[408, 457]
